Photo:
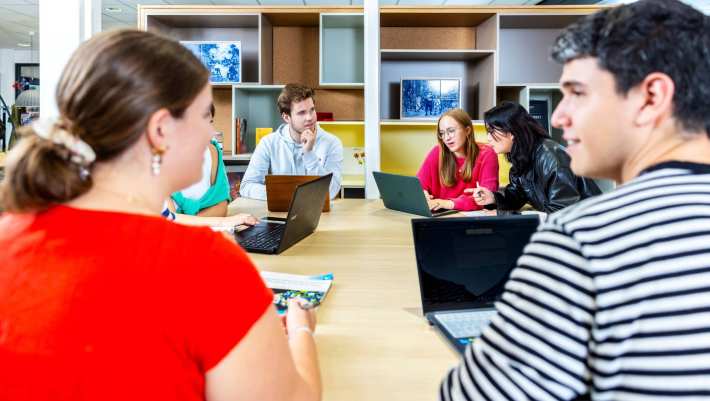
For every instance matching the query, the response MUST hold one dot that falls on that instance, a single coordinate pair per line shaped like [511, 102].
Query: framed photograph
[223, 59]
[428, 98]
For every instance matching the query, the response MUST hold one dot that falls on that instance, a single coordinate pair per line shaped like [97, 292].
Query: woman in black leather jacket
[540, 174]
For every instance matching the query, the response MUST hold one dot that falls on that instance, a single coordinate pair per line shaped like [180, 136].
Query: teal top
[217, 192]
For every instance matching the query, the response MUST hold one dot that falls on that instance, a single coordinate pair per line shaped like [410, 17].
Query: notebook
[312, 289]
[463, 265]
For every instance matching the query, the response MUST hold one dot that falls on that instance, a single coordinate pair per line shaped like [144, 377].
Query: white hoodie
[278, 153]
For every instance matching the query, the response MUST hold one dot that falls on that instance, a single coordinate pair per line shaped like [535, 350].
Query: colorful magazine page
[285, 286]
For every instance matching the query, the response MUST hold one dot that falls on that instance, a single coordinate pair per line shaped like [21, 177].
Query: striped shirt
[610, 298]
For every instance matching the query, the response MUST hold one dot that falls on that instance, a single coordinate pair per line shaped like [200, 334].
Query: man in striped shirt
[611, 298]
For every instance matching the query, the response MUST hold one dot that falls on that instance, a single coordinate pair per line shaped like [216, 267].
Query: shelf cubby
[342, 52]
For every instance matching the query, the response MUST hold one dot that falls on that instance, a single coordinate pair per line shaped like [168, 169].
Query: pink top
[485, 172]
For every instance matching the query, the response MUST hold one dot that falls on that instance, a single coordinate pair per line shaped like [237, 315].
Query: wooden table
[373, 342]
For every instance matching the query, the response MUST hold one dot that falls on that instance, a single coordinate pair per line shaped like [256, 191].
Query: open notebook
[285, 286]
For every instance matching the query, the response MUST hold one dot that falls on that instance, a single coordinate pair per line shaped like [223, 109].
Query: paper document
[285, 286]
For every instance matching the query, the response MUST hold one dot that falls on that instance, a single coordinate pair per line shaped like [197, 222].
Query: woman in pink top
[456, 164]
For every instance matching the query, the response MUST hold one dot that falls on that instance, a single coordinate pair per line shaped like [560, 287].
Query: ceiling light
[113, 9]
[24, 44]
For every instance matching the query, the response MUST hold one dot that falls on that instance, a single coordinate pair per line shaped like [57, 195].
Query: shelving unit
[497, 53]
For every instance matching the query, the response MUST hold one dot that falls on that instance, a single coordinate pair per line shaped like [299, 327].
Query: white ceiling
[19, 17]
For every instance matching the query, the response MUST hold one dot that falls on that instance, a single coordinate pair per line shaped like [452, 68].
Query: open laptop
[463, 265]
[280, 189]
[405, 194]
[274, 235]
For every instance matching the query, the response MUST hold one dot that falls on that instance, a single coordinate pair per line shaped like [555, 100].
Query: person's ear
[286, 118]
[160, 126]
[654, 97]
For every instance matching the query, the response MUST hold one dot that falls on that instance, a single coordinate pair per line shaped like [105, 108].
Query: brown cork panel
[295, 53]
[427, 38]
[433, 16]
[222, 98]
[345, 104]
[293, 18]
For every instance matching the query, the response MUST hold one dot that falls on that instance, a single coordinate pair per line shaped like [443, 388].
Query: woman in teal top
[209, 196]
[205, 202]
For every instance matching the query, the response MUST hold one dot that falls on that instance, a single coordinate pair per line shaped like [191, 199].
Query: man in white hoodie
[298, 147]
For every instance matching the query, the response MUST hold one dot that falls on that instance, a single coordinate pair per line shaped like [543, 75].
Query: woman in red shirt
[100, 297]
[456, 164]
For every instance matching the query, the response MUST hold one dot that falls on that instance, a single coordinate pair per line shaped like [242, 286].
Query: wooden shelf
[204, 20]
[354, 85]
[434, 54]
[342, 122]
[396, 16]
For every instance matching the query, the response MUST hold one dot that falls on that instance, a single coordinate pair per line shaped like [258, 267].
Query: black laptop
[274, 235]
[405, 194]
[463, 265]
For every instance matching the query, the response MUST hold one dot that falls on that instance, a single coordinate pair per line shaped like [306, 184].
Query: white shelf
[534, 85]
[241, 156]
[409, 122]
[434, 54]
[537, 21]
[420, 122]
[353, 181]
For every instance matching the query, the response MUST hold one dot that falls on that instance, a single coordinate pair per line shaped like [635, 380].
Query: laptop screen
[464, 262]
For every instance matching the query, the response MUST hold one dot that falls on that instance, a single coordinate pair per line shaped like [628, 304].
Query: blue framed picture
[222, 59]
[428, 98]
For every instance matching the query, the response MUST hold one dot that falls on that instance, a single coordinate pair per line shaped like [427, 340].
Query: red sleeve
[429, 171]
[485, 174]
[227, 297]
[488, 176]
[464, 203]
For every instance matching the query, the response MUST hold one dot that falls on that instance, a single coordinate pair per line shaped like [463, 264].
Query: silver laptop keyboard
[466, 324]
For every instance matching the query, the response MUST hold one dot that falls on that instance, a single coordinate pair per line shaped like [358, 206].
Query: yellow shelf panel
[352, 133]
[353, 181]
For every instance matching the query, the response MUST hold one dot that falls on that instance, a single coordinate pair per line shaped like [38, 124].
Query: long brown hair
[447, 158]
[106, 95]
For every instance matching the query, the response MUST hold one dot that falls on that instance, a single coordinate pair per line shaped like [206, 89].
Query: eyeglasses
[447, 132]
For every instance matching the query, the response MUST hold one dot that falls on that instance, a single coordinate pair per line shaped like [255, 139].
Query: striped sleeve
[536, 347]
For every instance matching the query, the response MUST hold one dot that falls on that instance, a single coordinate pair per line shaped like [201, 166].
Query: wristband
[301, 328]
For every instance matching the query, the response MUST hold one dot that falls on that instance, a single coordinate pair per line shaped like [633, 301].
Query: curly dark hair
[512, 118]
[293, 93]
[635, 40]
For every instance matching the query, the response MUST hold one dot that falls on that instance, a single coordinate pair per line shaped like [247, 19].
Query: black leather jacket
[549, 185]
